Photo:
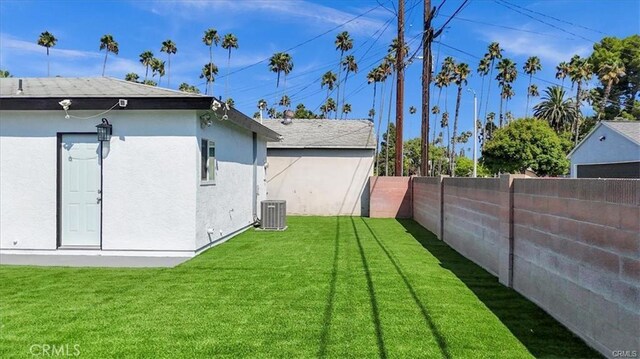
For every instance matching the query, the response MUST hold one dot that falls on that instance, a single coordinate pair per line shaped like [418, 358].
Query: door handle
[98, 200]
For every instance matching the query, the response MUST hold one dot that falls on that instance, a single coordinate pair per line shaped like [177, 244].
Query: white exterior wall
[226, 206]
[145, 206]
[615, 148]
[323, 182]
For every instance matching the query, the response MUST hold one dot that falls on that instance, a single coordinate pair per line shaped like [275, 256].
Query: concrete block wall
[390, 197]
[427, 203]
[577, 255]
[471, 222]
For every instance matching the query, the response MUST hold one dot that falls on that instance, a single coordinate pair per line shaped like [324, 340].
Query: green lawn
[326, 287]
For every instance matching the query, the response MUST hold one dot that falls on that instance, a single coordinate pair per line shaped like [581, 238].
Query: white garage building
[174, 178]
[321, 167]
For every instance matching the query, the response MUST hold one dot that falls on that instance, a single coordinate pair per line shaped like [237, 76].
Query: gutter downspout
[254, 203]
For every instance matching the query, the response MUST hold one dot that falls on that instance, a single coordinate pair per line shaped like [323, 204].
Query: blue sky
[265, 27]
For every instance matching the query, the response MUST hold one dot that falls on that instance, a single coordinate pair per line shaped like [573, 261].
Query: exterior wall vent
[273, 214]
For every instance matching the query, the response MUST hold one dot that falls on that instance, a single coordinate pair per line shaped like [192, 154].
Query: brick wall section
[427, 200]
[471, 225]
[390, 197]
[577, 255]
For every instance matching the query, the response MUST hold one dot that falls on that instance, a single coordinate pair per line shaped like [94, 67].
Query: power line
[541, 21]
[505, 27]
[555, 18]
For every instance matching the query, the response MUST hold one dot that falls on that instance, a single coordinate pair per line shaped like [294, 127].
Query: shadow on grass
[442, 344]
[328, 309]
[372, 295]
[540, 333]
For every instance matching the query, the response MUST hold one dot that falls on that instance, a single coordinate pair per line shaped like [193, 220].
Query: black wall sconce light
[105, 129]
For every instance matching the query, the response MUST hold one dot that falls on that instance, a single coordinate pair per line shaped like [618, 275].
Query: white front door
[80, 190]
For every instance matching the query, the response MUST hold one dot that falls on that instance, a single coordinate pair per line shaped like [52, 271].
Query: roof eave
[102, 103]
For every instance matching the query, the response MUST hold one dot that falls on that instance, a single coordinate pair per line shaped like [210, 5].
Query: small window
[207, 161]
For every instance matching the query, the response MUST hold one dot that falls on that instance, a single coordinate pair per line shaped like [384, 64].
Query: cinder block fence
[572, 246]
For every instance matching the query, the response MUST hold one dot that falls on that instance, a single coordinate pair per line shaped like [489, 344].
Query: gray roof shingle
[46, 87]
[323, 133]
[629, 129]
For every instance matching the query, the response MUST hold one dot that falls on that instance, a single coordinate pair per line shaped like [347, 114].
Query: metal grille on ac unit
[273, 214]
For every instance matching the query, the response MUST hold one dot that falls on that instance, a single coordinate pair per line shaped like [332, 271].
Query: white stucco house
[610, 150]
[173, 179]
[321, 167]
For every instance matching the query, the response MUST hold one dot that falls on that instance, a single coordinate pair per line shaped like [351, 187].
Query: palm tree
[285, 101]
[507, 73]
[157, 67]
[110, 45]
[47, 40]
[349, 65]
[146, 58]
[132, 76]
[211, 39]
[554, 109]
[281, 62]
[185, 87]
[330, 105]
[562, 70]
[230, 102]
[610, 73]
[262, 105]
[531, 66]
[329, 80]
[346, 108]
[507, 94]
[444, 122]
[229, 42]
[532, 91]
[441, 80]
[4, 74]
[344, 43]
[373, 77]
[209, 71]
[460, 74]
[580, 71]
[483, 69]
[169, 47]
[493, 52]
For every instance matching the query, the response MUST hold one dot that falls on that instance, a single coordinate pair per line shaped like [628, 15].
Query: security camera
[65, 104]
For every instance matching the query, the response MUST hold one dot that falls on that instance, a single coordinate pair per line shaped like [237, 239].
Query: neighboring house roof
[323, 133]
[627, 129]
[93, 93]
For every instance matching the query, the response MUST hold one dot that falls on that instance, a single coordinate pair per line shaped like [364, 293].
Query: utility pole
[427, 37]
[400, 88]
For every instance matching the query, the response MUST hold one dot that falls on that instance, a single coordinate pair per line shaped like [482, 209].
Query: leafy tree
[5, 74]
[211, 39]
[524, 144]
[132, 76]
[531, 66]
[303, 112]
[387, 150]
[108, 44]
[464, 168]
[625, 92]
[47, 40]
[185, 87]
[170, 48]
[229, 42]
[146, 59]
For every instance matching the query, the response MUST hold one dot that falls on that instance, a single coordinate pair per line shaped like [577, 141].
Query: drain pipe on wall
[254, 198]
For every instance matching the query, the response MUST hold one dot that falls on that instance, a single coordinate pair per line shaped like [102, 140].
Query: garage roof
[323, 133]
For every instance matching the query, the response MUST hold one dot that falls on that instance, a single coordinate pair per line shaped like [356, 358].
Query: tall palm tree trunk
[226, 80]
[501, 103]
[607, 92]
[481, 93]
[486, 105]
[579, 115]
[169, 72]
[435, 122]
[146, 73]
[386, 159]
[48, 64]
[104, 65]
[380, 116]
[338, 84]
[455, 132]
[344, 93]
[526, 111]
[210, 84]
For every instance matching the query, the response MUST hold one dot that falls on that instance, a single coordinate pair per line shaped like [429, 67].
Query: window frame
[207, 175]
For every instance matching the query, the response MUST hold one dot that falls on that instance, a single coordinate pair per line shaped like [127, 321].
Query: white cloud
[11, 43]
[527, 44]
[294, 10]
